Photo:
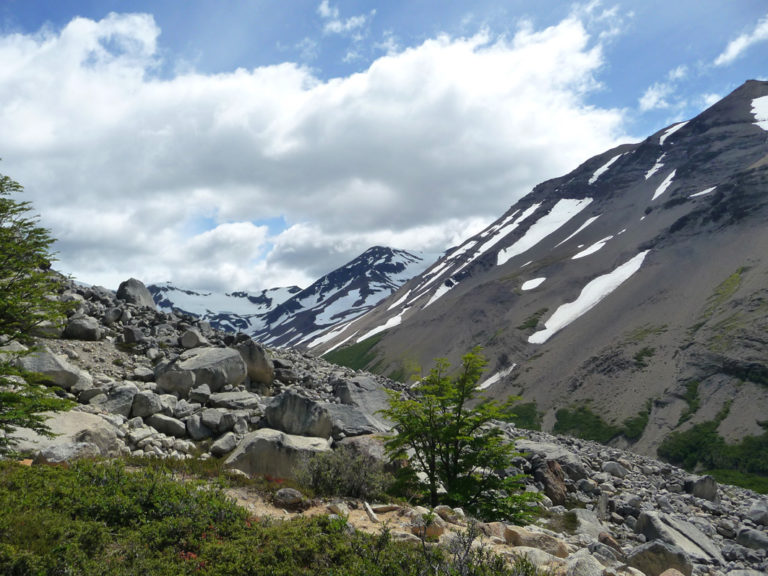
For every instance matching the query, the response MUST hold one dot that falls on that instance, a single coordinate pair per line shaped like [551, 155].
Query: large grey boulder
[260, 368]
[134, 292]
[275, 453]
[83, 328]
[234, 400]
[751, 538]
[71, 429]
[653, 558]
[168, 425]
[192, 338]
[216, 367]
[223, 445]
[146, 403]
[55, 368]
[367, 395]
[294, 414]
[679, 533]
[119, 400]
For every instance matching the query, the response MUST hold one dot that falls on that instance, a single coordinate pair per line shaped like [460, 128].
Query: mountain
[635, 286]
[295, 317]
[230, 312]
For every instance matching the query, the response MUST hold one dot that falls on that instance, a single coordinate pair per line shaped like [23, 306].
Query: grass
[356, 356]
[693, 400]
[532, 321]
[106, 518]
[722, 293]
[641, 356]
[638, 335]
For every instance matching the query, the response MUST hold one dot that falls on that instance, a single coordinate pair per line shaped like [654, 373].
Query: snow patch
[580, 228]
[664, 185]
[656, 167]
[603, 169]
[671, 131]
[391, 323]
[400, 300]
[495, 378]
[703, 192]
[533, 283]
[591, 295]
[561, 213]
[592, 249]
[760, 110]
[439, 293]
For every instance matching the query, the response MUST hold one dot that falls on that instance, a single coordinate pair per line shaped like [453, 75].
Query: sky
[242, 145]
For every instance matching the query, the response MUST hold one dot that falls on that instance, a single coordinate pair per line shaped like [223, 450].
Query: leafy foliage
[26, 284]
[344, 472]
[581, 422]
[454, 443]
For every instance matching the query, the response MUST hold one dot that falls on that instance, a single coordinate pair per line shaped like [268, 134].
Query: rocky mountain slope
[636, 284]
[153, 383]
[297, 318]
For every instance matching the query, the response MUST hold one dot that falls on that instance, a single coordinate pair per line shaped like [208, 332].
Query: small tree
[26, 288]
[455, 443]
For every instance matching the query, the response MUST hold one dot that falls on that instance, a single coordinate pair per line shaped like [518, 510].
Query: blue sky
[244, 145]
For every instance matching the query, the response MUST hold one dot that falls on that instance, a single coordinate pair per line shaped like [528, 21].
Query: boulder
[119, 400]
[83, 328]
[268, 451]
[234, 400]
[704, 487]
[196, 429]
[62, 453]
[751, 538]
[568, 460]
[295, 414]
[54, 368]
[614, 469]
[364, 393]
[679, 533]
[653, 558]
[192, 338]
[516, 536]
[134, 292]
[71, 428]
[758, 513]
[260, 368]
[146, 403]
[551, 475]
[168, 425]
[216, 367]
[224, 445]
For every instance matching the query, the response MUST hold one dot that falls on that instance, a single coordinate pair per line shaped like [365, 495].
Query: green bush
[344, 472]
[583, 423]
[356, 356]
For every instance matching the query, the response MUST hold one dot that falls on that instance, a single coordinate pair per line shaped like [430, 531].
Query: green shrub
[344, 472]
[526, 415]
[583, 423]
[693, 400]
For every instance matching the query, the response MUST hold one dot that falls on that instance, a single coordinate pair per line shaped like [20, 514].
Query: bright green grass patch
[356, 356]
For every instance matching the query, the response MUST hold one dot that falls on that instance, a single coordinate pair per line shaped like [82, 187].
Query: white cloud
[169, 178]
[663, 95]
[334, 24]
[741, 44]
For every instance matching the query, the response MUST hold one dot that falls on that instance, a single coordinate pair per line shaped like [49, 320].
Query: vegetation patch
[638, 335]
[356, 356]
[581, 422]
[526, 415]
[103, 518]
[642, 356]
[693, 400]
[532, 321]
[744, 463]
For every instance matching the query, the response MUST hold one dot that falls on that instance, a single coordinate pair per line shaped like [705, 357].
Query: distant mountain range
[292, 317]
[634, 287]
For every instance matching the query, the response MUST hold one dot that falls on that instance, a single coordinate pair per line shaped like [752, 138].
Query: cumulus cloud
[665, 94]
[172, 178]
[742, 43]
